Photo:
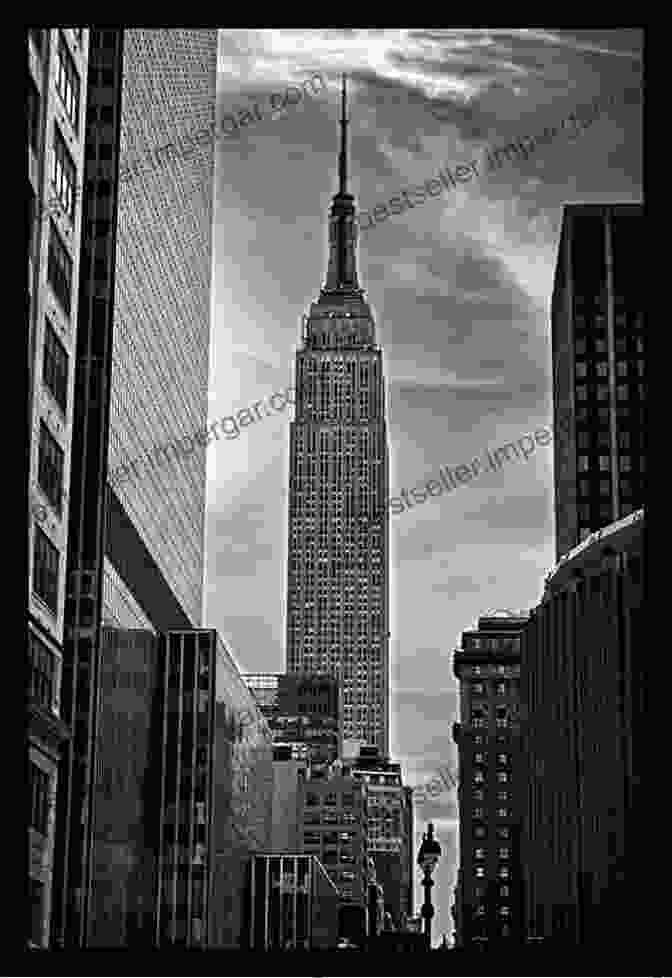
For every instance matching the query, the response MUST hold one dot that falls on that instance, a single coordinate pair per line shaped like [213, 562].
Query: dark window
[45, 569]
[32, 207]
[36, 37]
[42, 672]
[33, 115]
[55, 367]
[37, 912]
[67, 82]
[59, 269]
[63, 174]
[39, 798]
[50, 467]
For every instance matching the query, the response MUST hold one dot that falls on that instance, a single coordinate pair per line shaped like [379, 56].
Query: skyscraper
[337, 593]
[489, 898]
[57, 95]
[135, 550]
[599, 389]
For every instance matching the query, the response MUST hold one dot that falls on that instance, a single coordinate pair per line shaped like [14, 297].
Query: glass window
[33, 115]
[55, 367]
[63, 174]
[45, 569]
[602, 368]
[582, 393]
[39, 791]
[59, 269]
[624, 463]
[42, 672]
[50, 467]
[67, 82]
[604, 463]
[583, 463]
[581, 369]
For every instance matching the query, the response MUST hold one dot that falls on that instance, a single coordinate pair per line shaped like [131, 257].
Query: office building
[489, 894]
[338, 553]
[57, 104]
[135, 544]
[599, 392]
[587, 878]
[293, 905]
[183, 793]
[303, 712]
[389, 829]
[335, 830]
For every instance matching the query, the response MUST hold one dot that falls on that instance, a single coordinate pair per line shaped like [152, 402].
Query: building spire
[343, 156]
[342, 271]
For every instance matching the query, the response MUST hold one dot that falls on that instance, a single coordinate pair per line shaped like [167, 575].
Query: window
[477, 688]
[479, 758]
[55, 367]
[478, 777]
[63, 174]
[503, 872]
[50, 467]
[602, 368]
[503, 832]
[582, 393]
[67, 82]
[504, 852]
[479, 872]
[39, 798]
[605, 463]
[479, 853]
[479, 831]
[502, 758]
[478, 813]
[502, 813]
[583, 463]
[478, 722]
[479, 794]
[42, 672]
[505, 911]
[45, 570]
[502, 777]
[33, 115]
[502, 796]
[581, 369]
[501, 689]
[624, 463]
[59, 269]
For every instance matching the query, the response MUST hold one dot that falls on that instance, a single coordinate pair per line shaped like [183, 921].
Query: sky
[460, 288]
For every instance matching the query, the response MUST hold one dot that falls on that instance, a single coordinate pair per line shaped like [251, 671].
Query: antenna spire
[343, 155]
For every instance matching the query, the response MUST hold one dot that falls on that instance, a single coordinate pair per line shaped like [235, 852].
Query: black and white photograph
[337, 441]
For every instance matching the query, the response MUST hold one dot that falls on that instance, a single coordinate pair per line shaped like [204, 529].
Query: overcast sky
[460, 288]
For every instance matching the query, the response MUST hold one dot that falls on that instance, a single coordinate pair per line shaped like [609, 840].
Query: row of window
[502, 853]
[39, 798]
[502, 831]
[586, 462]
[600, 345]
[623, 391]
[42, 672]
[624, 368]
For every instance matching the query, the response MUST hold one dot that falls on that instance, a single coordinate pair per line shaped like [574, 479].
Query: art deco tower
[337, 596]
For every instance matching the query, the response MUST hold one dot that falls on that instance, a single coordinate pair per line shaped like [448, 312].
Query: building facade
[335, 830]
[599, 392]
[57, 105]
[337, 586]
[135, 544]
[304, 714]
[488, 896]
[584, 705]
[293, 904]
[183, 793]
[389, 829]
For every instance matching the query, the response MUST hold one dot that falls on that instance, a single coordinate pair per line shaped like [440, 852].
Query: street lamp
[428, 857]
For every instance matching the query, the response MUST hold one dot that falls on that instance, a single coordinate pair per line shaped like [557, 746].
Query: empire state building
[337, 594]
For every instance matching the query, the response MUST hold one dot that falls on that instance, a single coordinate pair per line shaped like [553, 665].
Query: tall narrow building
[337, 594]
[57, 105]
[488, 900]
[135, 544]
[599, 391]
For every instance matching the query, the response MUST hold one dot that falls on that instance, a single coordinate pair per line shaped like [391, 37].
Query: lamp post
[428, 857]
